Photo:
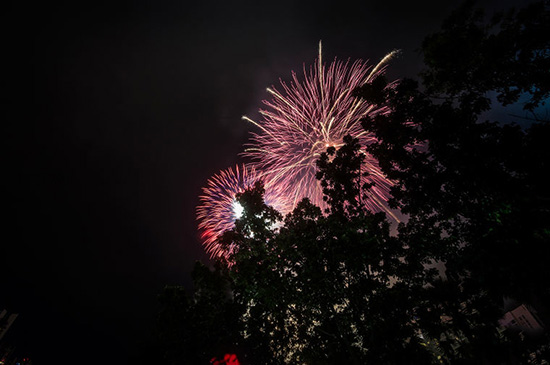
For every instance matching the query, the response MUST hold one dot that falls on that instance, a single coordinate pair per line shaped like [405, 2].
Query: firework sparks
[308, 115]
[219, 209]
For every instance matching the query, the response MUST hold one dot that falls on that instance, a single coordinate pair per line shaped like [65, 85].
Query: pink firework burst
[219, 209]
[308, 115]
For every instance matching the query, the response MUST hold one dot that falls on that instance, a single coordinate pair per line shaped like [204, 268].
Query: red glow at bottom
[228, 359]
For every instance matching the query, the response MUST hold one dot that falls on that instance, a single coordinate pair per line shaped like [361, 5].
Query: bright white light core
[237, 210]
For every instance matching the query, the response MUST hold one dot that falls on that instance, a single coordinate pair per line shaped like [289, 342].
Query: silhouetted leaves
[474, 191]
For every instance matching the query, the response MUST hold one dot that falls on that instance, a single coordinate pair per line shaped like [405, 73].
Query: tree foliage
[316, 290]
[193, 330]
[509, 54]
[475, 191]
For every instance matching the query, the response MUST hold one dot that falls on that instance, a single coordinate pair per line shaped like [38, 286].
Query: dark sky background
[115, 115]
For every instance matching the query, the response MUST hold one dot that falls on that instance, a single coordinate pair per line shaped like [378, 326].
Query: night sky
[115, 117]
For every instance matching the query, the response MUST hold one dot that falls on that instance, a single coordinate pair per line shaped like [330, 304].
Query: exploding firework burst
[305, 117]
[302, 119]
[219, 209]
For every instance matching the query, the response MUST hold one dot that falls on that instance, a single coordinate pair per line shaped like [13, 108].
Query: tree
[507, 55]
[316, 289]
[474, 190]
[194, 329]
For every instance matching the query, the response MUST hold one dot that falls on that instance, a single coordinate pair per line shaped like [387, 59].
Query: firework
[219, 209]
[308, 115]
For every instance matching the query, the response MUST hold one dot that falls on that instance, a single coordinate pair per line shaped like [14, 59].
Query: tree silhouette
[474, 191]
[317, 288]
